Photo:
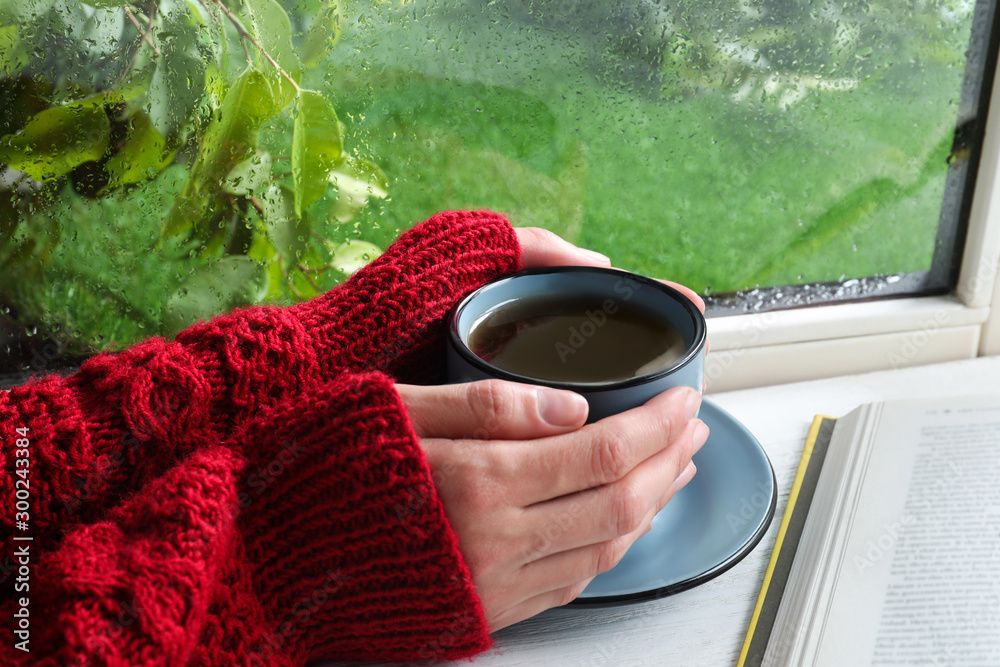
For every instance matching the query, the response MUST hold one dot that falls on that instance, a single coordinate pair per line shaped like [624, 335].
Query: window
[769, 153]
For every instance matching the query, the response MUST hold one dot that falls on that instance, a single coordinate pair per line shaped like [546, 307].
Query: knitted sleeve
[113, 442]
[313, 533]
[123, 418]
[391, 315]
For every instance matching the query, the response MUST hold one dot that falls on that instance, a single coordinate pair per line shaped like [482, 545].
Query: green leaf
[231, 138]
[177, 86]
[356, 180]
[215, 45]
[354, 254]
[58, 139]
[250, 176]
[103, 30]
[13, 55]
[138, 82]
[143, 155]
[306, 279]
[234, 132]
[215, 288]
[324, 33]
[316, 147]
[31, 13]
[270, 25]
[288, 232]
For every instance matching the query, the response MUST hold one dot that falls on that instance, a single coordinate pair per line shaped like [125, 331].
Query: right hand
[540, 503]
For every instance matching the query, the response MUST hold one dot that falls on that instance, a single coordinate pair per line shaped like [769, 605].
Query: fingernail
[561, 408]
[594, 256]
[700, 435]
[691, 404]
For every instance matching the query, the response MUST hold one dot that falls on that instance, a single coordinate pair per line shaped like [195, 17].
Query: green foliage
[316, 148]
[143, 154]
[100, 99]
[12, 53]
[270, 24]
[146, 170]
[58, 139]
[324, 33]
[215, 288]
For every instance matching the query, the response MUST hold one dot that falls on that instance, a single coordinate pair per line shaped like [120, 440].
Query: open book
[889, 551]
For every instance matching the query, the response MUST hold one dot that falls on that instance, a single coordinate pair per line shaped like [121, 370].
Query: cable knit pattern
[252, 492]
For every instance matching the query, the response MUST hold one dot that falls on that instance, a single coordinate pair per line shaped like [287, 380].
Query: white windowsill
[808, 343]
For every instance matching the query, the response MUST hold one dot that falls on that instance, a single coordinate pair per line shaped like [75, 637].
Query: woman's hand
[540, 503]
[540, 247]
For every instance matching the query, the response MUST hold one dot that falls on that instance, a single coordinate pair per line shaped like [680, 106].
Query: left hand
[540, 247]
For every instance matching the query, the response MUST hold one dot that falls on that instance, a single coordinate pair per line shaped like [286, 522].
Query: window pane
[728, 145]
[158, 164]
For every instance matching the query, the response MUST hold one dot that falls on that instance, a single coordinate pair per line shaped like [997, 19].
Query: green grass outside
[685, 184]
[718, 194]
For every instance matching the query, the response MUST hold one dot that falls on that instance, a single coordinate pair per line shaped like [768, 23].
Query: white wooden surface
[705, 626]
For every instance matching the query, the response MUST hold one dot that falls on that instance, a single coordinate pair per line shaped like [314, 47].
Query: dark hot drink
[575, 340]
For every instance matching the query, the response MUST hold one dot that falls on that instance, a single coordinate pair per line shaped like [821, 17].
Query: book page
[919, 580]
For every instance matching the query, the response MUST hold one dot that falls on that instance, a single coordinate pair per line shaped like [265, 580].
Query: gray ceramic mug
[606, 288]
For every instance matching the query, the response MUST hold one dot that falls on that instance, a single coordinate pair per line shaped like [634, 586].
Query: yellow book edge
[793, 496]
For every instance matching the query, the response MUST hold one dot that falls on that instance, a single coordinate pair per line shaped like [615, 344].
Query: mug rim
[693, 351]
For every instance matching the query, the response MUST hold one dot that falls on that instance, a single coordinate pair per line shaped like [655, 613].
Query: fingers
[556, 580]
[559, 577]
[617, 509]
[540, 503]
[605, 451]
[685, 477]
[492, 410]
[689, 293]
[540, 247]
[535, 605]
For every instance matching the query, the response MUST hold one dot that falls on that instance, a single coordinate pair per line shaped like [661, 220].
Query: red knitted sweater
[251, 492]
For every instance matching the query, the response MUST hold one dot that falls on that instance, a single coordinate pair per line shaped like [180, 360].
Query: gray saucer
[716, 520]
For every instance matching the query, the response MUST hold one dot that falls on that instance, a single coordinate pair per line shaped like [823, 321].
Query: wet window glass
[165, 160]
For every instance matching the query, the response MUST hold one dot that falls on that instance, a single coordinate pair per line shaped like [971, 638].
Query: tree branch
[257, 205]
[241, 31]
[142, 31]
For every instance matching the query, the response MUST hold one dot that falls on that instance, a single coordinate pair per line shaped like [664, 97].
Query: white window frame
[825, 341]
